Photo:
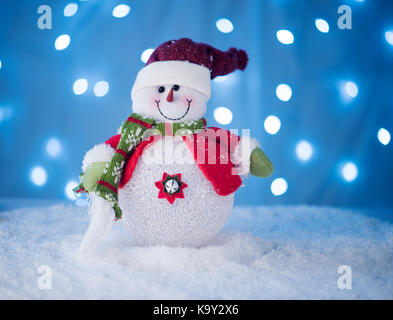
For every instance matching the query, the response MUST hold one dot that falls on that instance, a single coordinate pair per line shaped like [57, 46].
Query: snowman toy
[170, 178]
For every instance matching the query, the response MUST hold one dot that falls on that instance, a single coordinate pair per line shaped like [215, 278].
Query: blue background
[37, 101]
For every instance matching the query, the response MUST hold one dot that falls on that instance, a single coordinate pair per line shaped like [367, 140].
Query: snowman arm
[248, 158]
[102, 152]
[240, 149]
[241, 154]
[100, 211]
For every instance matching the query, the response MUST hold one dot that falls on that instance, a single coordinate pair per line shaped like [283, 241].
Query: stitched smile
[188, 108]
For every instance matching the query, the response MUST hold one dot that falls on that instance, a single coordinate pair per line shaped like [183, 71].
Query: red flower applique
[171, 187]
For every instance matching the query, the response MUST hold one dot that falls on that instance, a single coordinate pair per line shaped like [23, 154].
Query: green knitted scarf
[133, 131]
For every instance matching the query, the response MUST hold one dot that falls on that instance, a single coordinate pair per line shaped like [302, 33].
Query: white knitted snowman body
[190, 221]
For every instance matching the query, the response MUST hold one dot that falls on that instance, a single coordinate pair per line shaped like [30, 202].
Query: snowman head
[175, 84]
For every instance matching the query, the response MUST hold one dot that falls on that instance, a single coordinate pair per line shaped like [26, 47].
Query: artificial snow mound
[262, 253]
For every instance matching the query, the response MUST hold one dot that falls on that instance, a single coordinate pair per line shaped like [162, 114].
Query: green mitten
[92, 174]
[260, 164]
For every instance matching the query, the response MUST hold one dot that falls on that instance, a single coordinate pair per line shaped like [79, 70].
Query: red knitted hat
[218, 62]
[185, 62]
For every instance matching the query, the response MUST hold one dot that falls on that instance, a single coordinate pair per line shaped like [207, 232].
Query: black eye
[161, 89]
[176, 87]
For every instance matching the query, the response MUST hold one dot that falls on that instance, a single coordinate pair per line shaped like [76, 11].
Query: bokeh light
[5, 113]
[121, 10]
[224, 25]
[223, 115]
[351, 89]
[101, 88]
[53, 147]
[349, 171]
[284, 92]
[220, 79]
[322, 25]
[272, 124]
[146, 55]
[383, 136]
[62, 42]
[38, 176]
[70, 9]
[285, 36]
[337, 102]
[304, 150]
[227, 80]
[279, 186]
[80, 86]
[389, 37]
[68, 190]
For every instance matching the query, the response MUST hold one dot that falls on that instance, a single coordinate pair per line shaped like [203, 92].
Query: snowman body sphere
[189, 221]
[169, 194]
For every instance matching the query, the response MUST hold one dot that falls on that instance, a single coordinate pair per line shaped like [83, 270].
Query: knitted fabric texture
[133, 131]
[217, 61]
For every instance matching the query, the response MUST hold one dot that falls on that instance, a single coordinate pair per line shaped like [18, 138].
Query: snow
[262, 253]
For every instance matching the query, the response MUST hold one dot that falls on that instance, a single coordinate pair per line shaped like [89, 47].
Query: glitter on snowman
[169, 176]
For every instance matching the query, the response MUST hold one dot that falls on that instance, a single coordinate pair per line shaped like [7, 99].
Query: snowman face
[170, 103]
